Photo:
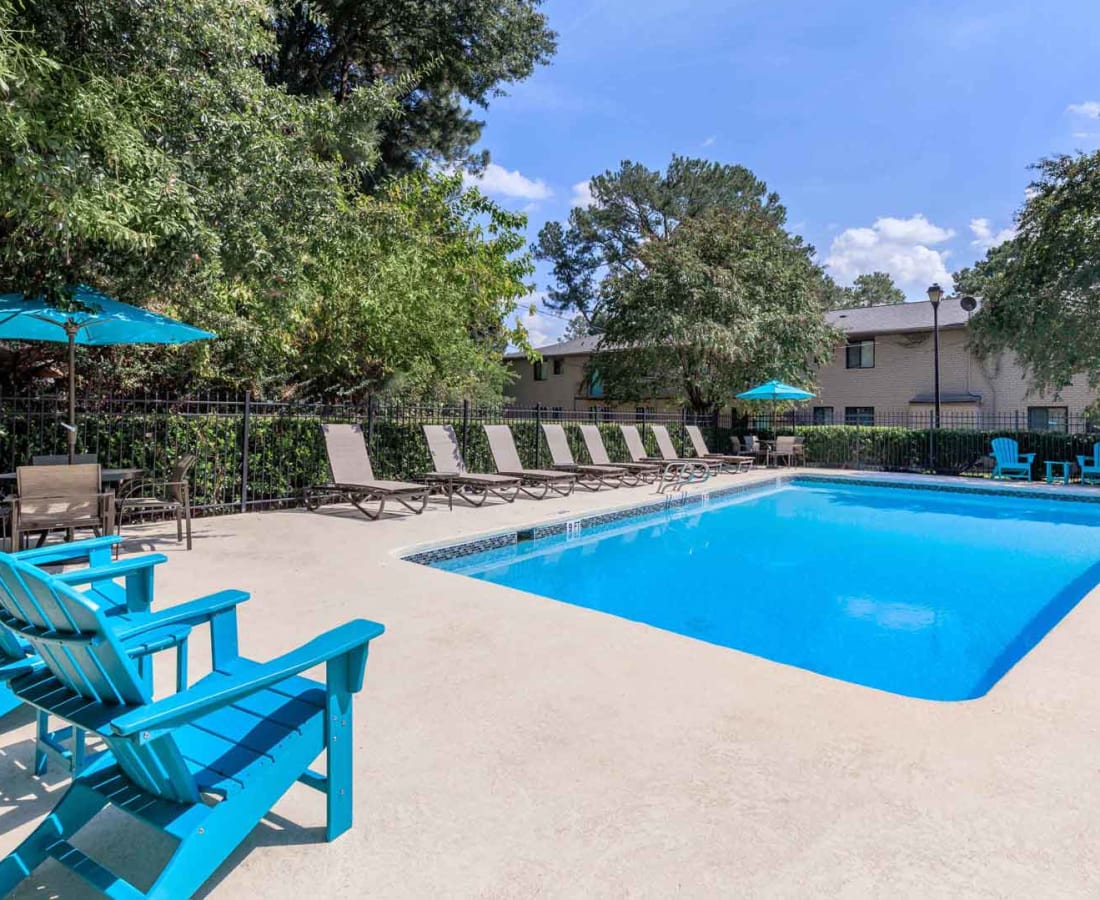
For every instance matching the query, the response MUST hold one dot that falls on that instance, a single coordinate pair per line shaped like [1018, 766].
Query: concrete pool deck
[510, 746]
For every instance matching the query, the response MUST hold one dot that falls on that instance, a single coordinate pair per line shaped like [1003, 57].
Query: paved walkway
[509, 746]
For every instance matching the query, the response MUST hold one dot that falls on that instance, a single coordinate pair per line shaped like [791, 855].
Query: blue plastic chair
[1008, 463]
[1090, 466]
[239, 737]
[127, 604]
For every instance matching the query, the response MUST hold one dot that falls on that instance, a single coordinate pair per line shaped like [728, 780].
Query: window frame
[558, 365]
[861, 345]
[538, 370]
[827, 415]
[858, 415]
[1062, 428]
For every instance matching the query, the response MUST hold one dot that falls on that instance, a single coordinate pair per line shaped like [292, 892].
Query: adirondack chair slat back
[81, 650]
[593, 442]
[664, 442]
[347, 454]
[503, 448]
[443, 446]
[697, 442]
[559, 445]
[1006, 450]
[634, 445]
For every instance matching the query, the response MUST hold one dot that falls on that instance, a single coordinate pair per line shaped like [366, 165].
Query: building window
[558, 362]
[595, 385]
[860, 354]
[555, 412]
[823, 415]
[1047, 418]
[859, 415]
[540, 371]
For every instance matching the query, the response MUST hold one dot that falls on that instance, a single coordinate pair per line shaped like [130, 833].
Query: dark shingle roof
[575, 347]
[897, 318]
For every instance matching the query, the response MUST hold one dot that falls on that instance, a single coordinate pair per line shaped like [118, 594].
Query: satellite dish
[969, 304]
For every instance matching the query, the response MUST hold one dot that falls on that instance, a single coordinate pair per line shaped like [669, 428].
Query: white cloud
[543, 328]
[985, 237]
[500, 182]
[582, 194]
[902, 247]
[1090, 109]
[709, 142]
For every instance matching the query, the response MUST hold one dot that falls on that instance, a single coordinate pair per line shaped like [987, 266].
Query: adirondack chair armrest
[347, 640]
[76, 550]
[111, 571]
[1029, 458]
[194, 612]
[16, 668]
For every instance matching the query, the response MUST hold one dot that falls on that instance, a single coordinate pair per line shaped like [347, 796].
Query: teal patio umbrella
[91, 319]
[775, 391]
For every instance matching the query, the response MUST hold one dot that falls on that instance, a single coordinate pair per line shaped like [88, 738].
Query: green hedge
[287, 452]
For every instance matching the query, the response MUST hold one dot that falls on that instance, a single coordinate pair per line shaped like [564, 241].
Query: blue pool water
[924, 593]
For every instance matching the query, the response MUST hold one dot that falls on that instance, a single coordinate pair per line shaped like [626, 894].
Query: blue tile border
[434, 555]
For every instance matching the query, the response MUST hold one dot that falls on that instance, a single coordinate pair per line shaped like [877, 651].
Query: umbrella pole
[72, 395]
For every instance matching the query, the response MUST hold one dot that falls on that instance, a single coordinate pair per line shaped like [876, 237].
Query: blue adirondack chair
[127, 604]
[1008, 462]
[239, 737]
[1090, 466]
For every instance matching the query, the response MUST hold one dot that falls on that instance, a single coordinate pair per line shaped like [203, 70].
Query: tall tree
[869, 289]
[1041, 289]
[457, 54]
[633, 208]
[728, 298]
[167, 171]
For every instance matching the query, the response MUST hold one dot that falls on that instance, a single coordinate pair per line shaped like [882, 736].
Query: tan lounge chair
[738, 462]
[593, 476]
[60, 497]
[675, 473]
[450, 471]
[503, 447]
[353, 477]
[597, 452]
[669, 454]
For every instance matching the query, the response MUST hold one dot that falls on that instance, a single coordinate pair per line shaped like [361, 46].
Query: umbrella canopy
[95, 320]
[775, 390]
[92, 319]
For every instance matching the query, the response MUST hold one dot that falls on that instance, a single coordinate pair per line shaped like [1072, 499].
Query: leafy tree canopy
[633, 208]
[869, 289]
[457, 54]
[142, 151]
[1041, 289]
[728, 299]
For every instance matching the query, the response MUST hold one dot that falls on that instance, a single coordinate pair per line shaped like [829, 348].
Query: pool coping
[442, 551]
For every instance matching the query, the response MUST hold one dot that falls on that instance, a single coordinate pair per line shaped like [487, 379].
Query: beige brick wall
[902, 371]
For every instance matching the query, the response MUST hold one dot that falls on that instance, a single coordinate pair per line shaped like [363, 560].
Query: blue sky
[898, 134]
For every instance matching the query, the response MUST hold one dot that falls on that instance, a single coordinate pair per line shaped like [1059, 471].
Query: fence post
[465, 425]
[714, 442]
[683, 430]
[370, 421]
[931, 444]
[245, 438]
[538, 424]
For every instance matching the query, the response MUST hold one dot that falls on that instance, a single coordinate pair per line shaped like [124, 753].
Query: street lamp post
[935, 295]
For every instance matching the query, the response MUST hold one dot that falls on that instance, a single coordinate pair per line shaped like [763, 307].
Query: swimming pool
[926, 593]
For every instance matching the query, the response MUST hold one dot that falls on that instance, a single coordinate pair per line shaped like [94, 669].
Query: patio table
[1057, 470]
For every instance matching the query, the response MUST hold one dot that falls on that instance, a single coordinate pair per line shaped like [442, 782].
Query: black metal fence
[255, 454]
